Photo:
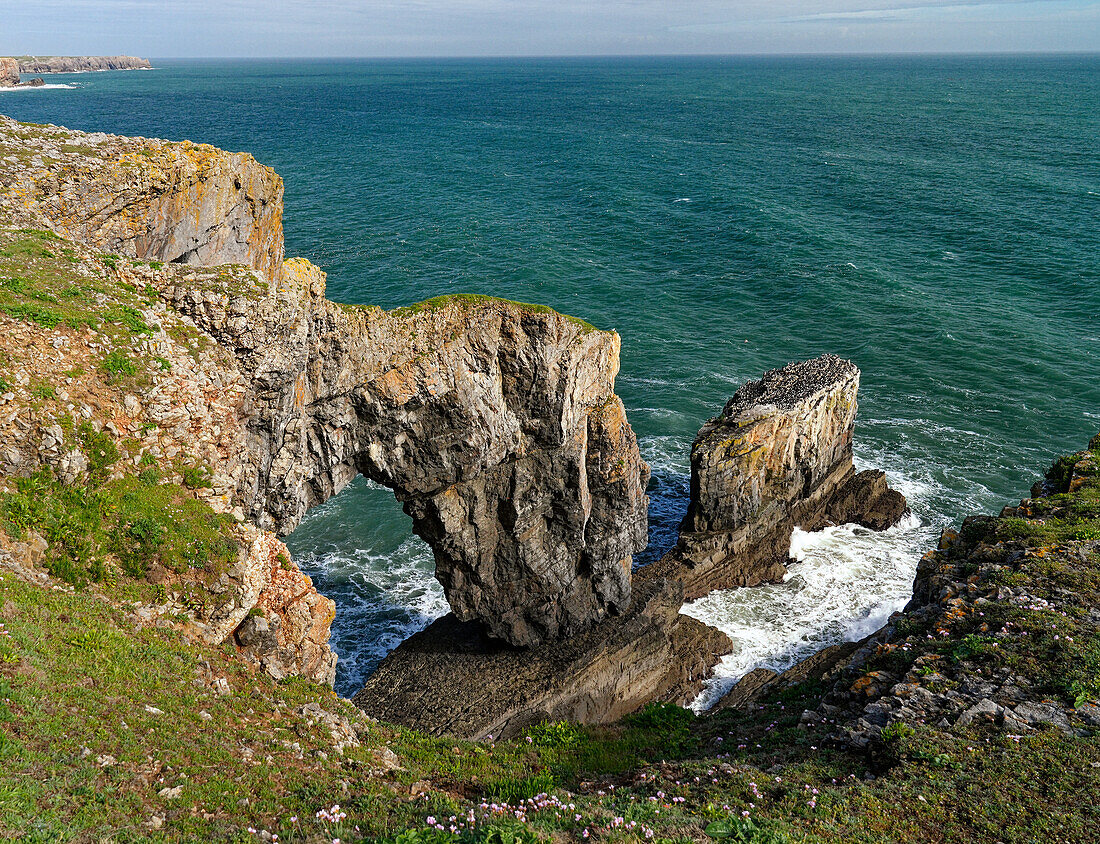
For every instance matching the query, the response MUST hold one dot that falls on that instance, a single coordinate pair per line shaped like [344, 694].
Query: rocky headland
[780, 456]
[174, 395]
[80, 64]
[495, 423]
[12, 69]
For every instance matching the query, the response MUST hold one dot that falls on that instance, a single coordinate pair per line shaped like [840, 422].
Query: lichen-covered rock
[777, 441]
[779, 456]
[997, 633]
[150, 199]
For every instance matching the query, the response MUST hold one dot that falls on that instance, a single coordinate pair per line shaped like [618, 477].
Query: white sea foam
[666, 453]
[843, 584]
[384, 599]
[36, 88]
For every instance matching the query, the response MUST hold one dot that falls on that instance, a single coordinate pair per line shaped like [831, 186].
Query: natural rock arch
[495, 424]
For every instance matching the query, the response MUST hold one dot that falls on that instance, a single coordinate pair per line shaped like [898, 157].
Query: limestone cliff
[80, 64]
[495, 423]
[779, 456]
[9, 73]
[177, 203]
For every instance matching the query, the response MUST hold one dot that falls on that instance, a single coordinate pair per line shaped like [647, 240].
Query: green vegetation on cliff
[468, 300]
[43, 280]
[111, 729]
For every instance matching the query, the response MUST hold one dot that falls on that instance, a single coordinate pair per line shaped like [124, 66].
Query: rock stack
[778, 457]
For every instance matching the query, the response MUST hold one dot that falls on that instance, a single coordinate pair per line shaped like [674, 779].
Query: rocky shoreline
[12, 69]
[495, 423]
[174, 395]
[779, 457]
[80, 64]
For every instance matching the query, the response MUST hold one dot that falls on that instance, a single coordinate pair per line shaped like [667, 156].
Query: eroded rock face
[779, 456]
[777, 441]
[496, 424]
[9, 73]
[81, 64]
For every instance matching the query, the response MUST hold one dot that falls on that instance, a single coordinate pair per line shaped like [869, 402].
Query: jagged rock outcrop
[9, 73]
[495, 423]
[764, 681]
[172, 202]
[778, 457]
[451, 679]
[80, 64]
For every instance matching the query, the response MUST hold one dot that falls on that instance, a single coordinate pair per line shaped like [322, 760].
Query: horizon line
[716, 55]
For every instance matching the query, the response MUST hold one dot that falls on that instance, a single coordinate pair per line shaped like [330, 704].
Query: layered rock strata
[495, 423]
[178, 203]
[451, 679]
[80, 64]
[778, 457]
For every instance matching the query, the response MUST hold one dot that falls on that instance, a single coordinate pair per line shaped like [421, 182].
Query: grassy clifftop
[115, 729]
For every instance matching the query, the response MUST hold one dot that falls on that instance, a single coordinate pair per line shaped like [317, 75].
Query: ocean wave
[382, 599]
[666, 453]
[38, 88]
[843, 584]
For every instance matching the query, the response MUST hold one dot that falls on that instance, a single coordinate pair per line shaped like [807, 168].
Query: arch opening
[360, 550]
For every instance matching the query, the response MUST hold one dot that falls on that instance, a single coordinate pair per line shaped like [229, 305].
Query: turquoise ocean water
[935, 219]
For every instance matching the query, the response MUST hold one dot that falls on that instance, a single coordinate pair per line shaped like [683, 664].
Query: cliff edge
[80, 64]
[186, 340]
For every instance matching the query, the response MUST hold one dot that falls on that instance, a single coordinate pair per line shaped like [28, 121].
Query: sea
[935, 219]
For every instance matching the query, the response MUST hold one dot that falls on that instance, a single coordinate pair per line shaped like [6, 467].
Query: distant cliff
[80, 64]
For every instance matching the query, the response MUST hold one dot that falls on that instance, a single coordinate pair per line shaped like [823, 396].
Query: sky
[314, 28]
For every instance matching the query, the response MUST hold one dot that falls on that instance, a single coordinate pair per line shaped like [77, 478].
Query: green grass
[123, 525]
[752, 775]
[77, 671]
[39, 283]
[468, 300]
